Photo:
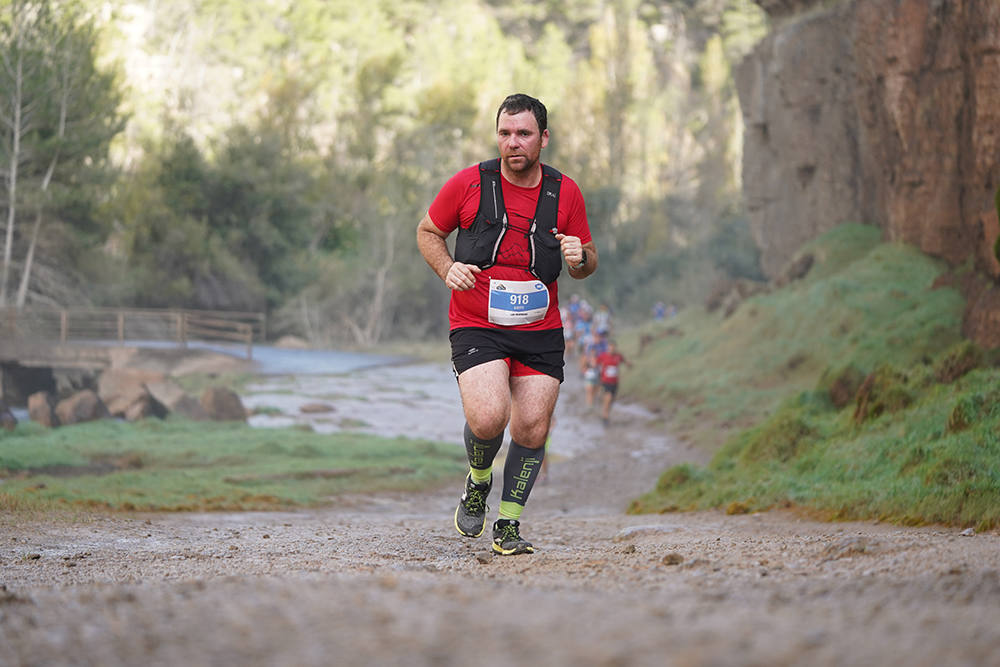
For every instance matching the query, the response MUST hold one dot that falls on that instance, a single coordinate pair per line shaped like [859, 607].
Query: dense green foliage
[280, 154]
[178, 465]
[915, 442]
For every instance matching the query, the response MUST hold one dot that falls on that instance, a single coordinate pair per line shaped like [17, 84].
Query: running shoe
[507, 538]
[470, 515]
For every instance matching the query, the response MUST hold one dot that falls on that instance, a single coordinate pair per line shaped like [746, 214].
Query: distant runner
[517, 221]
[610, 362]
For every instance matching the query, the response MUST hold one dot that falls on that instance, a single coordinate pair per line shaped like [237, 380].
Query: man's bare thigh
[533, 398]
[486, 397]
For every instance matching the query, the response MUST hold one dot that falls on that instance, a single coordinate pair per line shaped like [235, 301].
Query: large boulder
[181, 361]
[83, 406]
[124, 392]
[223, 404]
[171, 396]
[42, 409]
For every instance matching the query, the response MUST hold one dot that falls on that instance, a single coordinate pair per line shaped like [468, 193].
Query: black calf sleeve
[520, 472]
[481, 452]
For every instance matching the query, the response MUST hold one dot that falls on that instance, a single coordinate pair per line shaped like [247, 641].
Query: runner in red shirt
[610, 362]
[506, 333]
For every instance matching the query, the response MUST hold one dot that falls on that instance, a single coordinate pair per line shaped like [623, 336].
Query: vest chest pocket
[546, 257]
[477, 244]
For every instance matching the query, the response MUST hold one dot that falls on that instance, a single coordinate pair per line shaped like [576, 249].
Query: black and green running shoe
[507, 539]
[470, 515]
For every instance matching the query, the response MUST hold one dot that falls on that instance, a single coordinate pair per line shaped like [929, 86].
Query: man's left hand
[571, 247]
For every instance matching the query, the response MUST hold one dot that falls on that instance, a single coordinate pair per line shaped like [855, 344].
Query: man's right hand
[461, 276]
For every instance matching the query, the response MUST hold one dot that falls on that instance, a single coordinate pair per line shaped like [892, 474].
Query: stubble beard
[520, 167]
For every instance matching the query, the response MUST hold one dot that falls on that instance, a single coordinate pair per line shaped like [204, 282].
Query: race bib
[514, 302]
[610, 371]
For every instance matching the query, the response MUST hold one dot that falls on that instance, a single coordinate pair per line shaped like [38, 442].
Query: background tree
[60, 116]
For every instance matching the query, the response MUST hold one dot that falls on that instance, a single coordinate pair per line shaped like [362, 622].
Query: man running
[517, 220]
[609, 362]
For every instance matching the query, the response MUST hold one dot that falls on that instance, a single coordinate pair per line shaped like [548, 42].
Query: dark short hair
[519, 102]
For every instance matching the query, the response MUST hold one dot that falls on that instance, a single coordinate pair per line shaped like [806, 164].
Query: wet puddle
[422, 401]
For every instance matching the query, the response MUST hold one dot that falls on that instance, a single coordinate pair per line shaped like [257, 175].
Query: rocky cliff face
[879, 111]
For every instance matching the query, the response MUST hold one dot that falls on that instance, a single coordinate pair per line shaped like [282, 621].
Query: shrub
[780, 438]
[841, 384]
[675, 476]
[959, 360]
[884, 391]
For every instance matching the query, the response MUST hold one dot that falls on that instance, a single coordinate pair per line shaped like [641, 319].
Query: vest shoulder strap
[547, 212]
[490, 191]
[491, 203]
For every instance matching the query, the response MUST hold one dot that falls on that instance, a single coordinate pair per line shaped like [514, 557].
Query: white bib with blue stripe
[514, 302]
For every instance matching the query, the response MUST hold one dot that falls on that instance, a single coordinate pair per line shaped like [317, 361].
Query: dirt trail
[386, 580]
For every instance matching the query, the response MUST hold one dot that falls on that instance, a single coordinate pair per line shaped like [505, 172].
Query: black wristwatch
[583, 262]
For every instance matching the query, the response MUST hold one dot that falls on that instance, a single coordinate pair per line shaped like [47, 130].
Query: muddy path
[386, 580]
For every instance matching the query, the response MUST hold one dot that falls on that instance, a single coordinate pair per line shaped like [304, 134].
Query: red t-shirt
[457, 204]
[609, 364]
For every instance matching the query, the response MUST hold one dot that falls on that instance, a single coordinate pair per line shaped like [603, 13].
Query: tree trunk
[376, 316]
[22, 290]
[15, 154]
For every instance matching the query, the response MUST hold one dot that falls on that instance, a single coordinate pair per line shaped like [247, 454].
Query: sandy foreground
[386, 580]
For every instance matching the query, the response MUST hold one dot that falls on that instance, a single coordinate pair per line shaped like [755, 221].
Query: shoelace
[475, 501]
[509, 533]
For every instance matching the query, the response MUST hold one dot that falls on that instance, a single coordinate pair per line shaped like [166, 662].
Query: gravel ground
[387, 580]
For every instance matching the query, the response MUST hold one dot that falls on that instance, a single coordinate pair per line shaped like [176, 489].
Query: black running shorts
[540, 351]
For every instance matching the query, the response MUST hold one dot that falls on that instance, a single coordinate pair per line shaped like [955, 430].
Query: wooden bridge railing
[132, 324]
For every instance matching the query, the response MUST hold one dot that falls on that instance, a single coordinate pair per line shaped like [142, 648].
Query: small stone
[968, 532]
[848, 547]
[673, 558]
[484, 558]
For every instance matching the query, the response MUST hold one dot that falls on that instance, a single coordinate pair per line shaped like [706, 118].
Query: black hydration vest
[480, 243]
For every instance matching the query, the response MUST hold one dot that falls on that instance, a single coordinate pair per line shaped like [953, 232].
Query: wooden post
[121, 326]
[184, 322]
[63, 326]
[248, 331]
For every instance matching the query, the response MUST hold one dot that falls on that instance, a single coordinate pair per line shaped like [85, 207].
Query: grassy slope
[753, 388]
